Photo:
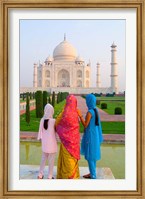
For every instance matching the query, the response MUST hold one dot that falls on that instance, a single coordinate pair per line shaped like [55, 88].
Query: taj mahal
[65, 71]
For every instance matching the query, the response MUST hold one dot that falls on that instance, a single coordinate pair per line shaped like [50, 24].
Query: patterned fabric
[92, 138]
[68, 127]
[67, 166]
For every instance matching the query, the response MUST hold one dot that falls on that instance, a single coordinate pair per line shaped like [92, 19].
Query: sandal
[51, 178]
[87, 176]
[38, 177]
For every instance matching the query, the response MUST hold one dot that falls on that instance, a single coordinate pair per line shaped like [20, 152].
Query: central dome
[64, 51]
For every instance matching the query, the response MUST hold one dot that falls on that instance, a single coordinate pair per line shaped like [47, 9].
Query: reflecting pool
[113, 156]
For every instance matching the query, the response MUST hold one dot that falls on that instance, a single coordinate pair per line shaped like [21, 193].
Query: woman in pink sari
[68, 130]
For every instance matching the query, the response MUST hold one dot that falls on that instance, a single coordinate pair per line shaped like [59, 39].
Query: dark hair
[45, 124]
[96, 117]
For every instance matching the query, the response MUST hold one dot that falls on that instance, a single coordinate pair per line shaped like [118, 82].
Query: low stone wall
[71, 90]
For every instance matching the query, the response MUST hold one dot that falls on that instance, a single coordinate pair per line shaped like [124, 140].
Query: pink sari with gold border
[68, 131]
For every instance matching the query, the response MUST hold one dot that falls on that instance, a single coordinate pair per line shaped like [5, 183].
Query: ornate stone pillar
[55, 77]
[43, 76]
[52, 75]
[35, 83]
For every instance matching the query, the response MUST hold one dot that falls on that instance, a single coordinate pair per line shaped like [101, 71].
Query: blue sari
[92, 138]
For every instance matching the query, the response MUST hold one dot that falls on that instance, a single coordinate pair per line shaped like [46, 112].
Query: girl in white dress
[47, 135]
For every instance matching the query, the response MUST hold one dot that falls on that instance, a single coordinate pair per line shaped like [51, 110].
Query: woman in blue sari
[92, 138]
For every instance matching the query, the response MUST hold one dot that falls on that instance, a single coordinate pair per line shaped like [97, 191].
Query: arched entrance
[47, 83]
[63, 78]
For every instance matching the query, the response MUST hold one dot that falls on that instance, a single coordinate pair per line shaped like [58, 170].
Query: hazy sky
[91, 38]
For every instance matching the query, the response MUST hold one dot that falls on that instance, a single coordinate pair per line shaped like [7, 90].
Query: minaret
[98, 83]
[35, 76]
[114, 69]
[43, 75]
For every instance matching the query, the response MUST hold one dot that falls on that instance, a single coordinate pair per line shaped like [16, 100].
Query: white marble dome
[64, 51]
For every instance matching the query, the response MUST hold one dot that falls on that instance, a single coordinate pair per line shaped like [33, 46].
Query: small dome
[113, 45]
[64, 51]
[79, 59]
[49, 59]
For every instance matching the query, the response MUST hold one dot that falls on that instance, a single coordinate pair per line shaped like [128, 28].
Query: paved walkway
[31, 172]
[103, 115]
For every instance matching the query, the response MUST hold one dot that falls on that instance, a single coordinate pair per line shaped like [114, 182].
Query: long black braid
[96, 117]
[45, 124]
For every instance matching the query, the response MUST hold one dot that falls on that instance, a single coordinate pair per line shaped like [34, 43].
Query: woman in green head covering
[92, 138]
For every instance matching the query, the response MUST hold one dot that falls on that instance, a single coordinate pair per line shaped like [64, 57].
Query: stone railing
[71, 90]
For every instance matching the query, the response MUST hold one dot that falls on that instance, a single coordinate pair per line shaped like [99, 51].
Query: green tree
[53, 99]
[118, 111]
[45, 95]
[39, 104]
[61, 96]
[27, 114]
[30, 94]
[49, 99]
[58, 97]
[103, 106]
[33, 94]
[23, 96]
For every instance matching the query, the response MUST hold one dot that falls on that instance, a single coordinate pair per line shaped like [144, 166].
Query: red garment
[68, 127]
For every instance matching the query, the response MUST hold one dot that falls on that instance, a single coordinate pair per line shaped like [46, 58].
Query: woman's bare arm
[87, 120]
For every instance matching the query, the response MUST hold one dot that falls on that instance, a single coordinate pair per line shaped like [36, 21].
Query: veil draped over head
[68, 127]
[48, 114]
[91, 104]
[48, 111]
[92, 138]
[91, 101]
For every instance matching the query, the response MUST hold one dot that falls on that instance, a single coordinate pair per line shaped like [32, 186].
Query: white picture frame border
[130, 181]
